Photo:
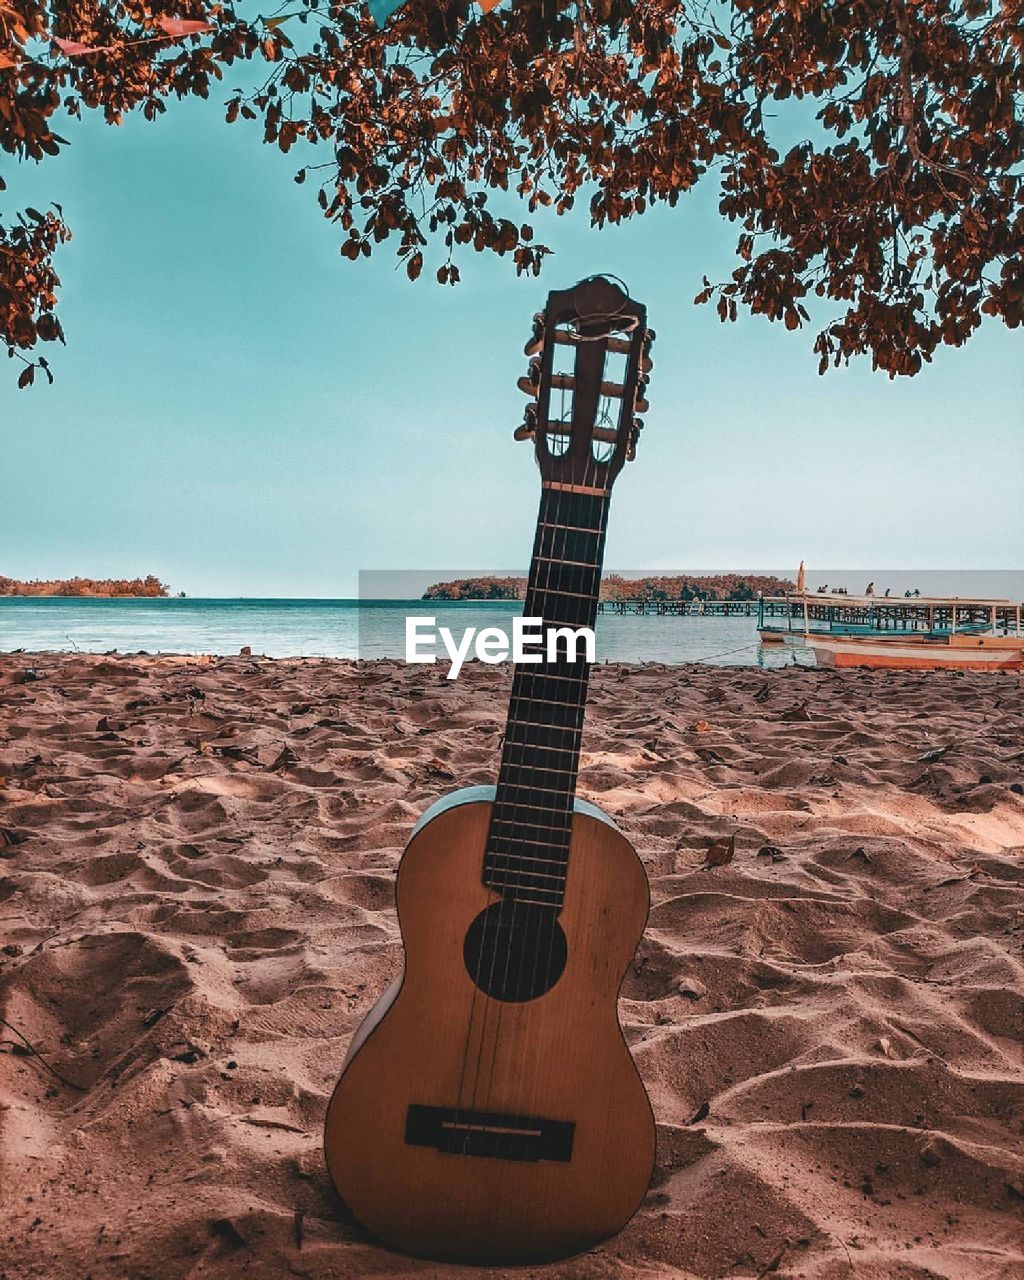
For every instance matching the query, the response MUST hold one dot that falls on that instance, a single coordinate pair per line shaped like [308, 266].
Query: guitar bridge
[487, 1133]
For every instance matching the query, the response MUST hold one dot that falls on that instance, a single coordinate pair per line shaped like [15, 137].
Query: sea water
[348, 629]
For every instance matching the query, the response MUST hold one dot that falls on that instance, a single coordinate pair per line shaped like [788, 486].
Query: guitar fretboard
[528, 845]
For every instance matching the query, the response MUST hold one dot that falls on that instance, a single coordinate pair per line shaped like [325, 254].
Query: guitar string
[508, 918]
[485, 931]
[596, 511]
[525, 774]
[598, 518]
[507, 767]
[517, 756]
[543, 940]
[588, 521]
[563, 508]
[518, 1054]
[586, 516]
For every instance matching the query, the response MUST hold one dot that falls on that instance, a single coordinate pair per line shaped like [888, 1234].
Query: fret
[537, 902]
[589, 510]
[566, 544]
[566, 612]
[532, 815]
[554, 885]
[546, 702]
[510, 873]
[549, 728]
[550, 895]
[529, 784]
[569, 528]
[575, 564]
[557, 863]
[557, 718]
[545, 674]
[526, 781]
[519, 827]
[525, 764]
[530, 806]
[531, 843]
[540, 691]
[558, 575]
[521, 823]
[552, 892]
[546, 669]
[575, 595]
[523, 708]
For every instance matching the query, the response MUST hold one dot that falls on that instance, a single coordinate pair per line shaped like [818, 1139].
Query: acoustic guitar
[488, 1110]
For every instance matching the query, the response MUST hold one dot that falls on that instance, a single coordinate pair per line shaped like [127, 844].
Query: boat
[926, 633]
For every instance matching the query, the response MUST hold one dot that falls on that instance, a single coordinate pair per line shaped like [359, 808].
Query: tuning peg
[641, 406]
[646, 364]
[529, 426]
[530, 382]
[649, 338]
[536, 342]
[634, 438]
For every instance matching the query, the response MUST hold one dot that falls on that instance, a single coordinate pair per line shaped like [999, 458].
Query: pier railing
[798, 613]
[681, 608]
[883, 613]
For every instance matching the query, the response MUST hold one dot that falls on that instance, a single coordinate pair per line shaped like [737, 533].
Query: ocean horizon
[344, 628]
[373, 626]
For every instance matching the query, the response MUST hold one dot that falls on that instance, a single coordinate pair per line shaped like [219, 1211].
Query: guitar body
[467, 1127]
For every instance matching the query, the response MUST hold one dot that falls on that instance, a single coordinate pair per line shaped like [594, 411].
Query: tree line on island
[716, 586]
[101, 587]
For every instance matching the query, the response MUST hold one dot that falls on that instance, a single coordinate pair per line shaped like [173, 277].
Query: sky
[243, 412]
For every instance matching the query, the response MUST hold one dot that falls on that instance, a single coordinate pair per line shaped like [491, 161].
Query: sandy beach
[196, 868]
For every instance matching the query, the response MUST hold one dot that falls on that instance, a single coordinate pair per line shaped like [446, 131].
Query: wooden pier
[889, 613]
[681, 608]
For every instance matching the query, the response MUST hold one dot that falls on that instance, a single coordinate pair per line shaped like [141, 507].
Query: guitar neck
[528, 848]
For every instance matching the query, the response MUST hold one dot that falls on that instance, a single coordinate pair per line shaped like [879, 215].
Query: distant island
[102, 587]
[477, 589]
[717, 586]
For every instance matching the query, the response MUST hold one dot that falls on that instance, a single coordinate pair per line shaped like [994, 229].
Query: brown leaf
[773, 1265]
[721, 852]
[74, 49]
[287, 759]
[796, 713]
[183, 26]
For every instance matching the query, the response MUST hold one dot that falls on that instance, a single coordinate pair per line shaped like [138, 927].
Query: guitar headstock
[587, 381]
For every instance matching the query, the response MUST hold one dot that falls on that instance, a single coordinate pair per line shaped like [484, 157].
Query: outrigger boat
[916, 632]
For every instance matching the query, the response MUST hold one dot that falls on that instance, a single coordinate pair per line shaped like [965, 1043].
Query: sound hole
[515, 951]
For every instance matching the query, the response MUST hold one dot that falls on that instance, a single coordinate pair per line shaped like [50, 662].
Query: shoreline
[198, 865]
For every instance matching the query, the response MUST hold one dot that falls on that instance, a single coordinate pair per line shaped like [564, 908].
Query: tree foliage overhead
[897, 212]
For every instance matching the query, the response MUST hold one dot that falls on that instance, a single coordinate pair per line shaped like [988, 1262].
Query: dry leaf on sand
[721, 852]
